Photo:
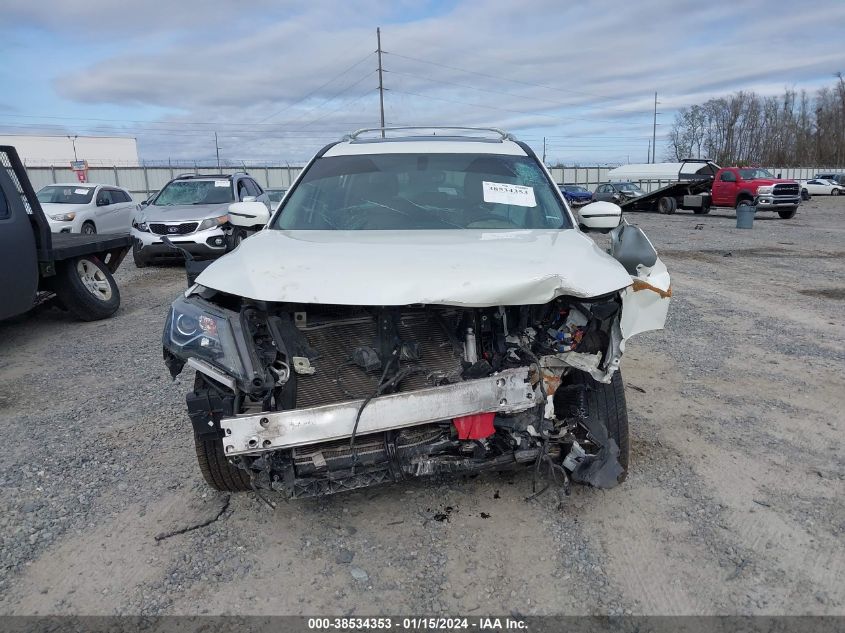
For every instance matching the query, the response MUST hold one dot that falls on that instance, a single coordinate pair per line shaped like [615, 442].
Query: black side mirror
[102, 202]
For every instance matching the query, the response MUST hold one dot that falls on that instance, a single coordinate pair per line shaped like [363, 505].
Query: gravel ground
[733, 504]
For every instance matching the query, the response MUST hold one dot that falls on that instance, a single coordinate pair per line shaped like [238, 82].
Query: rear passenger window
[120, 196]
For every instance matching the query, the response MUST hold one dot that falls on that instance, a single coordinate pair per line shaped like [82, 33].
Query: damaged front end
[313, 399]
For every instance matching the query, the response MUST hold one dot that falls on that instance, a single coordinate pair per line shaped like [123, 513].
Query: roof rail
[501, 134]
[195, 175]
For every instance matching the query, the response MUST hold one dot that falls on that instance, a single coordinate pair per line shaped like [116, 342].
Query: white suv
[419, 304]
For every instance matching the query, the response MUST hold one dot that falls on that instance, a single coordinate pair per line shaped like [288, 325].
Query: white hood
[473, 268]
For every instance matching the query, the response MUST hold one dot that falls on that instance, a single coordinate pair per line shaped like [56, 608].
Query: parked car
[576, 195]
[617, 192]
[821, 187]
[39, 265]
[354, 342]
[734, 186]
[86, 208]
[275, 196]
[193, 212]
[839, 179]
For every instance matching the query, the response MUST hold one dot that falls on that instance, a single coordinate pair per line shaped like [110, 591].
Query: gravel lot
[734, 503]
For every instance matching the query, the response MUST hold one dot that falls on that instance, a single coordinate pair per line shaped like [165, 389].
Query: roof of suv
[401, 140]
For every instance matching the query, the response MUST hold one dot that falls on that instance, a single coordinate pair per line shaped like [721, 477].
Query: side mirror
[248, 214]
[102, 202]
[143, 203]
[600, 216]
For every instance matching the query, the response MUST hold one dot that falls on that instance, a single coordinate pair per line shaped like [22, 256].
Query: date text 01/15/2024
[419, 623]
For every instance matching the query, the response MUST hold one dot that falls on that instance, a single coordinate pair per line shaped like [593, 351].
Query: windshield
[66, 194]
[275, 195]
[195, 192]
[751, 174]
[574, 189]
[627, 186]
[423, 191]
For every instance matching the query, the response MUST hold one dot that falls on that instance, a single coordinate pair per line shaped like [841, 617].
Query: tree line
[791, 130]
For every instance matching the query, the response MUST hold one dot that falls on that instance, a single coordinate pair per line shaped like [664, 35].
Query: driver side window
[103, 198]
[728, 176]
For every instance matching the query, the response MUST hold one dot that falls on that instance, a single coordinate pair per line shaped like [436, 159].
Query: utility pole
[654, 131]
[73, 142]
[648, 153]
[380, 82]
[217, 151]
[544, 150]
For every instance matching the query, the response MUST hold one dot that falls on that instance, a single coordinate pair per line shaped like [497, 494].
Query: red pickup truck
[734, 185]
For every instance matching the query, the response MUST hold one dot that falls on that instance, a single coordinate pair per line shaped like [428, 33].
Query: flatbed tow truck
[689, 187]
[37, 265]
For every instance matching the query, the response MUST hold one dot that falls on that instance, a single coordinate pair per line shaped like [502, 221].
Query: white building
[99, 151]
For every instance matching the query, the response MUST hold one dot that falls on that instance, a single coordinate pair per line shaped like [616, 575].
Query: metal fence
[142, 181]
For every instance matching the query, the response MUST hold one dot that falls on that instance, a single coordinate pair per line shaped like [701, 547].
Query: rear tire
[607, 403]
[805, 195]
[216, 469]
[702, 210]
[788, 214]
[86, 288]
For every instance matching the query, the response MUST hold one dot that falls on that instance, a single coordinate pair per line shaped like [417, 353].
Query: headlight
[765, 190]
[141, 226]
[64, 217]
[198, 330]
[210, 223]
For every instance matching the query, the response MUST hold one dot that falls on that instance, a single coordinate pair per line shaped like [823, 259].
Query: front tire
[87, 289]
[835, 192]
[216, 469]
[788, 214]
[606, 402]
[88, 228]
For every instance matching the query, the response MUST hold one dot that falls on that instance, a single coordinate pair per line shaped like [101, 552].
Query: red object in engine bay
[475, 427]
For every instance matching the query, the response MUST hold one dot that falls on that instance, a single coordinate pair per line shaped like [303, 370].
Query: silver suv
[192, 211]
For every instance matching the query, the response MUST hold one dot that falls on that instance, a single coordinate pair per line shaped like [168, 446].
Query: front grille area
[787, 189]
[335, 342]
[167, 229]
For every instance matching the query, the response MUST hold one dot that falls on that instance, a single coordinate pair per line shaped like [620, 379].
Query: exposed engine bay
[313, 399]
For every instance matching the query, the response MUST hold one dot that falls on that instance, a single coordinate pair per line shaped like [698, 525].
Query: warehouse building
[60, 151]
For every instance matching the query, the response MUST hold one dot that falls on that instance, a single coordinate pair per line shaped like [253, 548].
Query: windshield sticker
[80, 192]
[221, 183]
[504, 193]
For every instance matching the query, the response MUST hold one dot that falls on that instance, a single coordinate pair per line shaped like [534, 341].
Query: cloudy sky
[277, 79]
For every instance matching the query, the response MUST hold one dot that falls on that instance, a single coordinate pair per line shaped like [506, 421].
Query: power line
[476, 105]
[348, 103]
[499, 78]
[328, 101]
[500, 92]
[316, 90]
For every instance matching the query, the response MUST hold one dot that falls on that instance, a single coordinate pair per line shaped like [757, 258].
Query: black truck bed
[648, 202]
[68, 245]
